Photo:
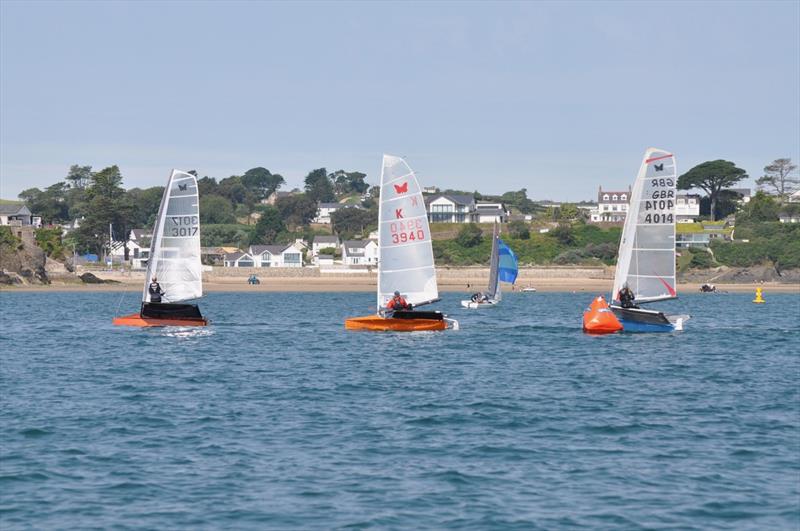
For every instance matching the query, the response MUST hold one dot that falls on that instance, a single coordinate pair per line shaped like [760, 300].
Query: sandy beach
[358, 283]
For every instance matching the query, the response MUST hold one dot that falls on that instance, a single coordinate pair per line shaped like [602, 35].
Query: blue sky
[557, 98]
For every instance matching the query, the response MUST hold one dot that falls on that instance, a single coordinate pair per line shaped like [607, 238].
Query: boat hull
[476, 305]
[136, 320]
[401, 322]
[641, 320]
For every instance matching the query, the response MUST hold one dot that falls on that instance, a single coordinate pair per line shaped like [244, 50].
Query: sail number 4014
[186, 225]
[407, 231]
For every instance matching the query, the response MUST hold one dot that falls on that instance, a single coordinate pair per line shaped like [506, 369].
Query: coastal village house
[451, 208]
[138, 243]
[611, 206]
[17, 214]
[323, 242]
[290, 255]
[490, 212]
[324, 211]
[239, 259]
[687, 208]
[360, 252]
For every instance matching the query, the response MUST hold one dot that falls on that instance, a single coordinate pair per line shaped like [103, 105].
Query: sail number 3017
[407, 231]
[186, 226]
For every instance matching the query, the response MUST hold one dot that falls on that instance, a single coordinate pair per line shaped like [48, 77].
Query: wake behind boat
[406, 271]
[646, 263]
[174, 270]
[502, 267]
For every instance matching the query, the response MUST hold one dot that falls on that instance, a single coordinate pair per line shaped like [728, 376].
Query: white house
[687, 208]
[239, 259]
[325, 260]
[490, 212]
[451, 208]
[18, 214]
[611, 206]
[360, 252]
[290, 255]
[743, 192]
[323, 242]
[324, 211]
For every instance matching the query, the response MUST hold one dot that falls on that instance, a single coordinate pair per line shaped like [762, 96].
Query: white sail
[175, 248]
[494, 263]
[646, 259]
[405, 262]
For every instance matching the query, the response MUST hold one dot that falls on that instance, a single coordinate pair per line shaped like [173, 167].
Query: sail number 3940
[186, 226]
[407, 231]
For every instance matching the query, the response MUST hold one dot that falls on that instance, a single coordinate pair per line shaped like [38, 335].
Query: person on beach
[155, 290]
[398, 303]
[626, 297]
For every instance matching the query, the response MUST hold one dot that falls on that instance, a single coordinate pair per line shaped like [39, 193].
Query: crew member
[398, 303]
[155, 290]
[479, 297]
[626, 297]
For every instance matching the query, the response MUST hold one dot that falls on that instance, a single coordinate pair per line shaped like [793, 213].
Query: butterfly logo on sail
[401, 188]
[182, 187]
[659, 167]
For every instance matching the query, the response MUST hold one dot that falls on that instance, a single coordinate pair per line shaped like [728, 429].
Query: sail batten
[405, 253]
[646, 261]
[175, 248]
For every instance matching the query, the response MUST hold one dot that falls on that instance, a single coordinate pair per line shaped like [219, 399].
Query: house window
[605, 197]
[614, 197]
[246, 263]
[441, 208]
[614, 208]
[355, 260]
[136, 253]
[624, 197]
[291, 258]
[266, 263]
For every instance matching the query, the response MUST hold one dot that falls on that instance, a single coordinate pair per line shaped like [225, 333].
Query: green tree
[568, 212]
[319, 187]
[518, 200]
[519, 230]
[207, 186]
[261, 182]
[297, 210]
[49, 240]
[564, 234]
[49, 203]
[145, 204]
[470, 235]
[346, 183]
[79, 176]
[269, 227]
[761, 207]
[779, 176]
[712, 177]
[215, 209]
[107, 204]
[350, 221]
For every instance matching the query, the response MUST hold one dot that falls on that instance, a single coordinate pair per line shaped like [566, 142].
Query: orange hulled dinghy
[645, 270]
[405, 257]
[174, 271]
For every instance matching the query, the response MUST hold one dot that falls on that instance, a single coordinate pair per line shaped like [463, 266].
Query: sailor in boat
[397, 303]
[626, 297]
[479, 297]
[155, 290]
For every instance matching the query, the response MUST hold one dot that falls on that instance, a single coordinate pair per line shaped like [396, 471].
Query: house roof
[271, 249]
[14, 210]
[326, 239]
[232, 257]
[491, 212]
[459, 199]
[358, 244]
[141, 233]
[325, 256]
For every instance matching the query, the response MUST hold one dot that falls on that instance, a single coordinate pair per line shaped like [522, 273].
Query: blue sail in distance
[507, 269]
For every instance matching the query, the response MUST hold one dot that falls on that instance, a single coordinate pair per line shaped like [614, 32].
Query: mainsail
[175, 248]
[503, 266]
[646, 259]
[405, 262]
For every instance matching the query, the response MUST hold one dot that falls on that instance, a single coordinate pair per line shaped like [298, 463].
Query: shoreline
[322, 285]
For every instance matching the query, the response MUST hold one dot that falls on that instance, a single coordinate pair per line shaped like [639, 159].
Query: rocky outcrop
[742, 275]
[25, 260]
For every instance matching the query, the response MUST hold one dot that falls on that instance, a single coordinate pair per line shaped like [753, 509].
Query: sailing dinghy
[174, 259]
[646, 262]
[405, 256]
[502, 268]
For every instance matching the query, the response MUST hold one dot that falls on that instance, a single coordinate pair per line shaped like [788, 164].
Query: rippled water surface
[275, 417]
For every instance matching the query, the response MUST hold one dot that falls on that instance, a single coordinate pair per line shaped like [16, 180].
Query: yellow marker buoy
[759, 299]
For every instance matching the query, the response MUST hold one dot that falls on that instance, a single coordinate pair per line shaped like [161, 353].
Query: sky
[555, 97]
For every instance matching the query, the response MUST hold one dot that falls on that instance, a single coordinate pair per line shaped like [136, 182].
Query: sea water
[276, 417]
